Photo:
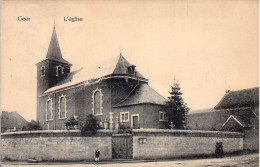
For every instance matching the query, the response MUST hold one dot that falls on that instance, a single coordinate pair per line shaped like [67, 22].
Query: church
[113, 91]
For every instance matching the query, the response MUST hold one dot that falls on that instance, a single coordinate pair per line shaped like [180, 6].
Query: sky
[209, 46]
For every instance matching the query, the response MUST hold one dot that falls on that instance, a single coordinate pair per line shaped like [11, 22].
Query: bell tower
[53, 68]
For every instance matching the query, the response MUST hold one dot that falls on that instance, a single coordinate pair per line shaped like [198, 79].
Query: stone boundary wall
[55, 145]
[161, 143]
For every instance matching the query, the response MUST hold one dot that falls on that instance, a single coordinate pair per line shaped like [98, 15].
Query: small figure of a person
[221, 149]
[97, 153]
[217, 150]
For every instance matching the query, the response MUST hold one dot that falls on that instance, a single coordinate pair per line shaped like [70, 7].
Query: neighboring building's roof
[239, 98]
[113, 67]
[237, 120]
[243, 115]
[201, 111]
[54, 52]
[142, 94]
[9, 120]
[215, 119]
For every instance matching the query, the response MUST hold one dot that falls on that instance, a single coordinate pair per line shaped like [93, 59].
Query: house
[114, 91]
[246, 120]
[237, 111]
[12, 121]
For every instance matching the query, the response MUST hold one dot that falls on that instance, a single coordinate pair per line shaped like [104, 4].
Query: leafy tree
[175, 108]
[33, 125]
[91, 126]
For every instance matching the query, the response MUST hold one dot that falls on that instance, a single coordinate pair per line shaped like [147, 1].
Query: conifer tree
[175, 108]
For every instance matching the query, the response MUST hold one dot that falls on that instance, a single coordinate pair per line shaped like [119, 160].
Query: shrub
[33, 125]
[124, 129]
[91, 126]
[71, 123]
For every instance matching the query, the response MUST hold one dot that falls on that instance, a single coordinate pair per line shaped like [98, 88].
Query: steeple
[54, 52]
[53, 68]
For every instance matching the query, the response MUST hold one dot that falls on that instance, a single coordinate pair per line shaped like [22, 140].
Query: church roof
[239, 98]
[112, 67]
[54, 52]
[142, 94]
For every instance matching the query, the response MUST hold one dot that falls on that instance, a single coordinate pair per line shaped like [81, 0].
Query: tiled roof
[214, 119]
[232, 117]
[54, 52]
[201, 111]
[240, 98]
[112, 67]
[243, 116]
[142, 94]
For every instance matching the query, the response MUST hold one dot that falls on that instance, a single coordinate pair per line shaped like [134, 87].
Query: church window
[124, 116]
[59, 70]
[42, 71]
[62, 107]
[162, 116]
[97, 102]
[49, 109]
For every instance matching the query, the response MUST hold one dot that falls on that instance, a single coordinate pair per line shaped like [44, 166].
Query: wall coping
[151, 131]
[49, 132]
[172, 131]
[122, 134]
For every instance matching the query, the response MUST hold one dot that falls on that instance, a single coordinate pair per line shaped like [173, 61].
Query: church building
[114, 91]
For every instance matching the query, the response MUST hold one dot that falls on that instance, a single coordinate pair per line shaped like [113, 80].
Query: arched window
[49, 109]
[97, 102]
[59, 70]
[62, 107]
[42, 71]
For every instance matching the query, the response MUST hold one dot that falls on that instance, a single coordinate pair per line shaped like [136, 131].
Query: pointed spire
[54, 52]
[120, 49]
[54, 24]
[54, 48]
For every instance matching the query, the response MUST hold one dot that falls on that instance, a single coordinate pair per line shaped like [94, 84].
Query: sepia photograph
[144, 83]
